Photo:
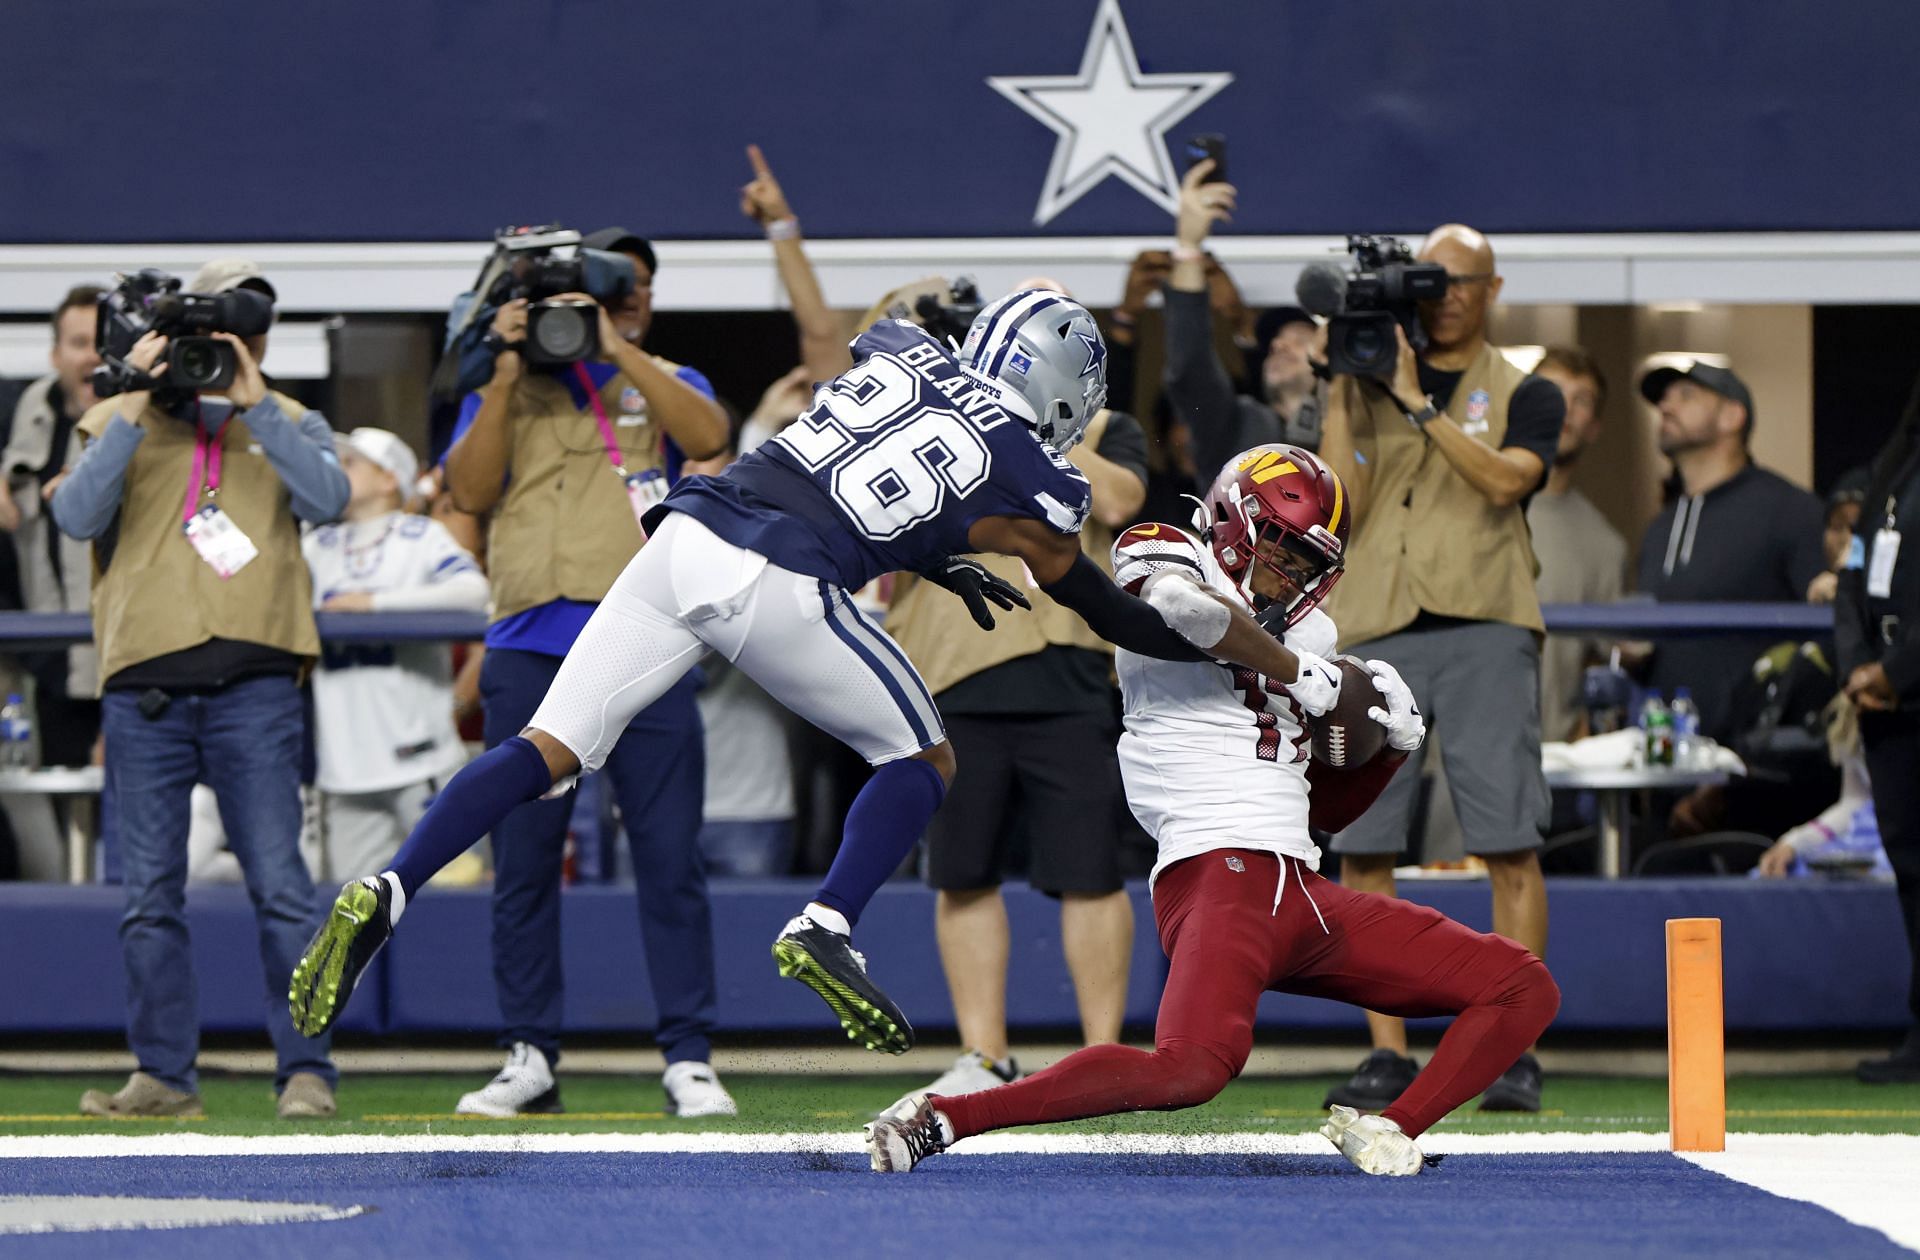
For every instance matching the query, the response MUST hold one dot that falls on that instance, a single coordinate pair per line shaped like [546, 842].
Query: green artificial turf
[424, 1104]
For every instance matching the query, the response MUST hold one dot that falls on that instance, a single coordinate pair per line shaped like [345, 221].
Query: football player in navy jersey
[914, 457]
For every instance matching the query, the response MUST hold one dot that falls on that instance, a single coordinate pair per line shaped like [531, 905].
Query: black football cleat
[1381, 1077]
[358, 925]
[1518, 1088]
[827, 963]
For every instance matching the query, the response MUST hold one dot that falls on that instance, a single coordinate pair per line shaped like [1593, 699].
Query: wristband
[1187, 253]
[787, 229]
[1418, 419]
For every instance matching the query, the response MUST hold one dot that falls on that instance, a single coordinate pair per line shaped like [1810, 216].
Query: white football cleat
[525, 1086]
[1373, 1144]
[694, 1090]
[905, 1134]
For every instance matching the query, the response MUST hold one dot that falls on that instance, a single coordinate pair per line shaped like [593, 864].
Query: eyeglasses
[1478, 277]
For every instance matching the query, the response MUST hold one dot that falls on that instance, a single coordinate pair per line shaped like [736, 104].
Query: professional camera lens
[196, 363]
[562, 332]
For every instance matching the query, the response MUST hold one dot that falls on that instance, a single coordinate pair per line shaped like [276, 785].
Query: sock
[486, 790]
[829, 918]
[882, 827]
[397, 905]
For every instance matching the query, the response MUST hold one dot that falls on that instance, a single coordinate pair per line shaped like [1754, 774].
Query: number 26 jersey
[888, 470]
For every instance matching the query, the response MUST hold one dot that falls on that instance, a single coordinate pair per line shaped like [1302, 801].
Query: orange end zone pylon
[1696, 1037]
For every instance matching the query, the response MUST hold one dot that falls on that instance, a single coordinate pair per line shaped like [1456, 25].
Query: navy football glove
[978, 586]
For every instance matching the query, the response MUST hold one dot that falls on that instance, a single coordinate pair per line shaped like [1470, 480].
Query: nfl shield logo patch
[1019, 362]
[1236, 865]
[633, 407]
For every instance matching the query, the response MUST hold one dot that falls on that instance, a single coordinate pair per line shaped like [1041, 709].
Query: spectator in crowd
[202, 638]
[565, 460]
[1283, 404]
[1845, 836]
[1440, 461]
[383, 712]
[1582, 557]
[1033, 715]
[1735, 531]
[1843, 513]
[1876, 624]
[40, 446]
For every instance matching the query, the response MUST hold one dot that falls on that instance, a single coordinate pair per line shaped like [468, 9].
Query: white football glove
[1406, 730]
[1318, 687]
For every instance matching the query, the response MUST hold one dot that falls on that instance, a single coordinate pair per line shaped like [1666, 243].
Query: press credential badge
[219, 541]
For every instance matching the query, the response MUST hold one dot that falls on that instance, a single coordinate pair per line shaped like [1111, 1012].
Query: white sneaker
[1373, 1144]
[525, 1086]
[693, 1090]
[970, 1073]
[906, 1133]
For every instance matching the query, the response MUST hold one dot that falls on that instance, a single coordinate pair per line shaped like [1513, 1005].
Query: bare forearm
[1502, 477]
[477, 464]
[822, 348]
[694, 421]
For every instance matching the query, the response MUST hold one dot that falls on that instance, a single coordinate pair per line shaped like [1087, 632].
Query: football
[1345, 736]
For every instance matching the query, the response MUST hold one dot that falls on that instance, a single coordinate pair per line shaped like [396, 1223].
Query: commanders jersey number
[891, 457]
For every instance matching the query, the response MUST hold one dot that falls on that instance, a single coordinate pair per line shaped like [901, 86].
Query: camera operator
[566, 457]
[1441, 459]
[202, 614]
[1287, 406]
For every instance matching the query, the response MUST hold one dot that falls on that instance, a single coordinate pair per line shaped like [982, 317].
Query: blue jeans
[658, 771]
[748, 847]
[243, 742]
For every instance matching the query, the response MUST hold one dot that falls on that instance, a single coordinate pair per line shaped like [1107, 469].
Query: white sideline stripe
[1868, 1180]
[96, 1146]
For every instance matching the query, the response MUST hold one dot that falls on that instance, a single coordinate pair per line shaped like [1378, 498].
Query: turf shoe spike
[826, 962]
[904, 1134]
[1373, 1144]
[358, 925]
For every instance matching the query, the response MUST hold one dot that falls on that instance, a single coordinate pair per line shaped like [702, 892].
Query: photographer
[202, 615]
[1442, 458]
[1287, 406]
[566, 457]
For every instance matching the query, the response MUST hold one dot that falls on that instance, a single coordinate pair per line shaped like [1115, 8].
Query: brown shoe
[306, 1097]
[142, 1095]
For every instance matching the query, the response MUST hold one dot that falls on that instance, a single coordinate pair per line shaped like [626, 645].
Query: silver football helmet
[1044, 349]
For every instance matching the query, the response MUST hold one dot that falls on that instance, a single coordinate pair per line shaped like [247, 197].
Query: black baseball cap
[617, 240]
[1722, 381]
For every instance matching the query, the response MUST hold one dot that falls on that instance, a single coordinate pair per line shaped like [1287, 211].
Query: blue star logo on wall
[1096, 352]
[1111, 117]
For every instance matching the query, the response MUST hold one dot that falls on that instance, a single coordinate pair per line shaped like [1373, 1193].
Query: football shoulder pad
[1147, 549]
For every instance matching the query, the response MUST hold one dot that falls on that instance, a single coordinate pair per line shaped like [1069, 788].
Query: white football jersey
[1213, 757]
[383, 712]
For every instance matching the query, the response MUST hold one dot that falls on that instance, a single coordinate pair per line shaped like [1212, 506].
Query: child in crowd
[1844, 839]
[383, 712]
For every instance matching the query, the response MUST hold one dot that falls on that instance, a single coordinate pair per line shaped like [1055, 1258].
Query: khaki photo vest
[1426, 540]
[564, 528]
[154, 595]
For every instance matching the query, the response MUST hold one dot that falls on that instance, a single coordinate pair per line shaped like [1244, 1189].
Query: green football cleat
[827, 963]
[358, 925]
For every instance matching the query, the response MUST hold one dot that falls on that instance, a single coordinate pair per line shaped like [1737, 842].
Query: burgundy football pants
[1229, 943]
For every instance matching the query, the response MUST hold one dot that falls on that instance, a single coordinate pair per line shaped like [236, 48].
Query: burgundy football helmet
[1284, 496]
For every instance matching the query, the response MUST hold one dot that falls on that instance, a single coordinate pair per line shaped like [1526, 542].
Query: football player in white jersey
[383, 712]
[1217, 767]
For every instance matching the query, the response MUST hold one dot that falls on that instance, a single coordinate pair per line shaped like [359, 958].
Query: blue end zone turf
[821, 1204]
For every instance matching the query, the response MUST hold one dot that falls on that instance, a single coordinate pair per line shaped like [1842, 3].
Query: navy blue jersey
[896, 460]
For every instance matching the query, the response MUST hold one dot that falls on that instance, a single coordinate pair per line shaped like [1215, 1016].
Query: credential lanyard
[612, 443]
[206, 468]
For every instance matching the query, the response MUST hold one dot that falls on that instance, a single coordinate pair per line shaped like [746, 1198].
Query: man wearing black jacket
[1876, 624]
